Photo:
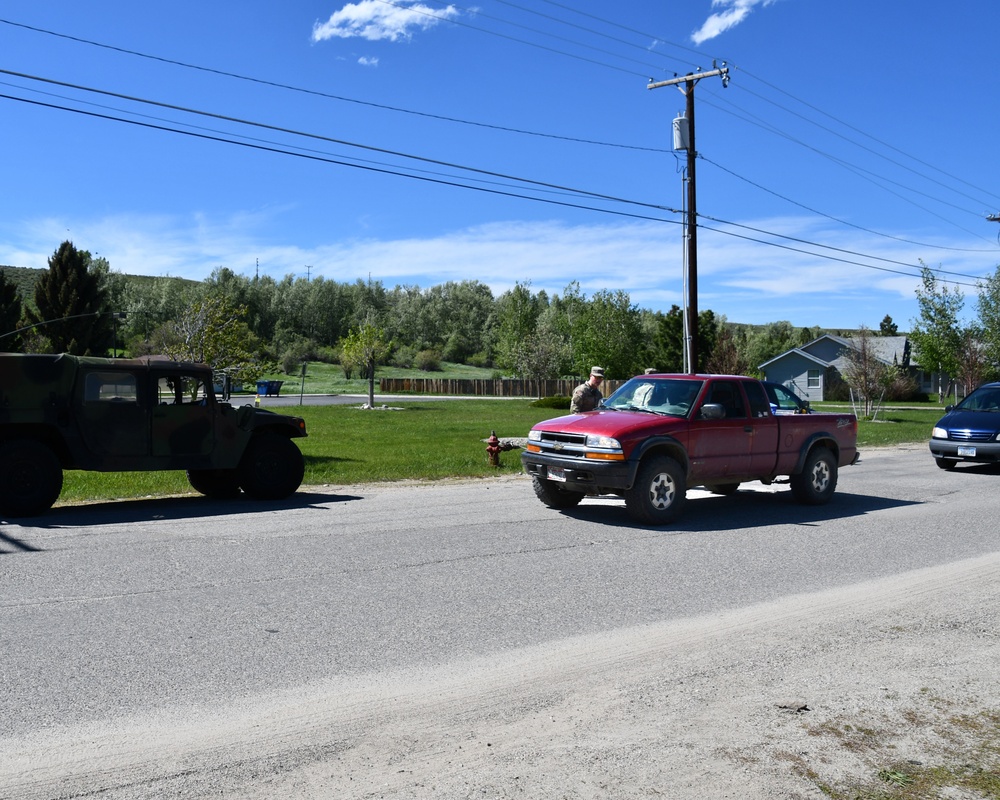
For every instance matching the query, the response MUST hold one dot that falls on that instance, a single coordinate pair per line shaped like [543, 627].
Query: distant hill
[24, 278]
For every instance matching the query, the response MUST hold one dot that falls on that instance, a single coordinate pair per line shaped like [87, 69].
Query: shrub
[402, 357]
[555, 401]
[428, 361]
[479, 360]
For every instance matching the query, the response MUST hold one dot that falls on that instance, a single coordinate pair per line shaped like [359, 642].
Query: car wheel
[271, 468]
[31, 478]
[220, 484]
[946, 463]
[723, 488]
[657, 495]
[818, 480]
[555, 496]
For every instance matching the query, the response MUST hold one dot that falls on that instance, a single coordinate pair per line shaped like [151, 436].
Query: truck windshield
[655, 396]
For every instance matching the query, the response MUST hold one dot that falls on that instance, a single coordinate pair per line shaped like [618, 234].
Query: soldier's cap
[598, 371]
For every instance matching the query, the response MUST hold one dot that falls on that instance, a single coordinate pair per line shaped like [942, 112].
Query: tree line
[254, 325]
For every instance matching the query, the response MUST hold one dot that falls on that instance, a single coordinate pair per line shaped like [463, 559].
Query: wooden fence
[491, 387]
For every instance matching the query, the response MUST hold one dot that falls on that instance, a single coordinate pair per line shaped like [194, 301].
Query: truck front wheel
[553, 495]
[271, 468]
[31, 478]
[658, 493]
[816, 483]
[219, 484]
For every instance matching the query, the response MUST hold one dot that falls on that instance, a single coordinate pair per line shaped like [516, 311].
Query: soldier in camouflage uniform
[587, 396]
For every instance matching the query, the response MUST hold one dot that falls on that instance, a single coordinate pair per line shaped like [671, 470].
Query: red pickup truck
[659, 435]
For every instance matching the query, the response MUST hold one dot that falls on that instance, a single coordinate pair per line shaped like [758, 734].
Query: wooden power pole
[691, 223]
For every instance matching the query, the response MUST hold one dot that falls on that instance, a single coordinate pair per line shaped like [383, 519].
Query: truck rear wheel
[816, 483]
[658, 494]
[220, 484]
[272, 467]
[31, 478]
[553, 495]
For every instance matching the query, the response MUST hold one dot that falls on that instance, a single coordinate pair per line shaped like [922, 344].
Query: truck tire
[723, 488]
[271, 468]
[553, 495]
[816, 483]
[219, 484]
[658, 493]
[31, 478]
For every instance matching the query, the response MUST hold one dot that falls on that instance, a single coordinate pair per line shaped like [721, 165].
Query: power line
[456, 184]
[842, 221]
[381, 150]
[367, 167]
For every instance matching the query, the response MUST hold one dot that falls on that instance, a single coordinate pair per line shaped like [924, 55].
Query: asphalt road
[165, 609]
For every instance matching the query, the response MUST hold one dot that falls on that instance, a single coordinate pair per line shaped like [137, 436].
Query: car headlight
[939, 433]
[534, 436]
[604, 442]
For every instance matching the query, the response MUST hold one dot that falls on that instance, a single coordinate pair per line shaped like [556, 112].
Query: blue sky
[420, 142]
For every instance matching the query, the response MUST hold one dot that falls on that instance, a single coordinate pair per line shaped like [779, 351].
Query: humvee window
[110, 387]
[180, 389]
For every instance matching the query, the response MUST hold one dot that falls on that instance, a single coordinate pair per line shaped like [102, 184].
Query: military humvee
[62, 412]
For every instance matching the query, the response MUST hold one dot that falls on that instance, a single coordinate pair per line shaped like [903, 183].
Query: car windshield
[985, 398]
[655, 396]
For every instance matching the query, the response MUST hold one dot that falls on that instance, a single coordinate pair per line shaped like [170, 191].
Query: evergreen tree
[888, 327]
[72, 304]
[11, 310]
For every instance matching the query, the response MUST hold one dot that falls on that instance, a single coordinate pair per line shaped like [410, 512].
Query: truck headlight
[534, 436]
[604, 442]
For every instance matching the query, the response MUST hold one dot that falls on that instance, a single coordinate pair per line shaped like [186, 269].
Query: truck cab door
[112, 419]
[765, 430]
[183, 416]
[720, 448]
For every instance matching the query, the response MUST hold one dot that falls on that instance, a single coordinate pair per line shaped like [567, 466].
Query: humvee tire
[272, 467]
[31, 478]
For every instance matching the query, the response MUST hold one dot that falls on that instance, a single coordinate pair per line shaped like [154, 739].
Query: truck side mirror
[713, 411]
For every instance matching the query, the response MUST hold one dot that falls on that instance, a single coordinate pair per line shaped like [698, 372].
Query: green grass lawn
[329, 378]
[428, 440]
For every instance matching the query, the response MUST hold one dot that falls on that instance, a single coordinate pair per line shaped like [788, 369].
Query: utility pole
[691, 223]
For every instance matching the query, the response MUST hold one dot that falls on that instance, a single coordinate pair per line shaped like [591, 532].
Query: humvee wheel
[272, 467]
[220, 484]
[31, 478]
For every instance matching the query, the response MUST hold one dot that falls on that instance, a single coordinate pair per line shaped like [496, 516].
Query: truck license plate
[967, 451]
[556, 474]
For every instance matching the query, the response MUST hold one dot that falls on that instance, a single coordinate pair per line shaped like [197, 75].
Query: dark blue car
[969, 431]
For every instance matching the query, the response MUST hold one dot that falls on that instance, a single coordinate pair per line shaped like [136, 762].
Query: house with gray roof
[808, 370]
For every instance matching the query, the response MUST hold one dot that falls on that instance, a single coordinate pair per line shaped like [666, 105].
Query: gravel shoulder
[810, 696]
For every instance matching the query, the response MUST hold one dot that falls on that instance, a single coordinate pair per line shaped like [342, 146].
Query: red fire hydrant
[493, 449]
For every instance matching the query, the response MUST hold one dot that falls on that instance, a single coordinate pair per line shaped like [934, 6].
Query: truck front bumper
[580, 475]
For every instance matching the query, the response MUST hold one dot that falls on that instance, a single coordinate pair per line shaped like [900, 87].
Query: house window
[812, 380]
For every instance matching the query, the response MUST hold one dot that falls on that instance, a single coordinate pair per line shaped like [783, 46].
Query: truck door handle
[748, 428]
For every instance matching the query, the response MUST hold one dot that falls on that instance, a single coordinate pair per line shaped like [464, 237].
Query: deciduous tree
[936, 333]
[365, 346]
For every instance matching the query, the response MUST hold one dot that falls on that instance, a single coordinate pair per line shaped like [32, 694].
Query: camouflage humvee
[117, 415]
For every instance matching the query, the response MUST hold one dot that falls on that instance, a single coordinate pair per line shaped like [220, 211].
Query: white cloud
[367, 61]
[733, 13]
[376, 20]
